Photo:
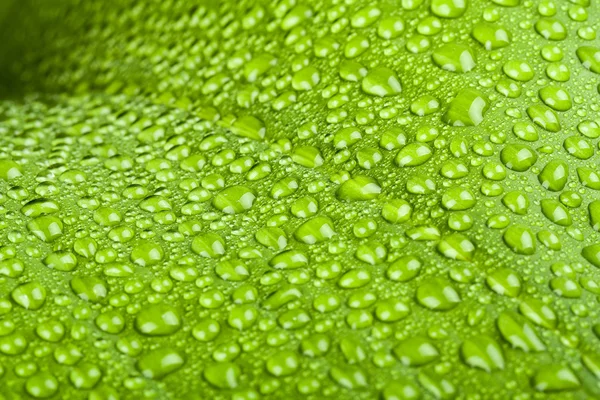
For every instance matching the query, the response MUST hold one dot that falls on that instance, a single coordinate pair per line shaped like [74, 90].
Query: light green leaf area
[299, 199]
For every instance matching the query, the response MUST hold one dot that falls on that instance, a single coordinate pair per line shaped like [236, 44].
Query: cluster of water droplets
[304, 200]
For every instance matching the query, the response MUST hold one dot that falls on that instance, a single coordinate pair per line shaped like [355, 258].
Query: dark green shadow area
[20, 33]
[47, 48]
[41, 40]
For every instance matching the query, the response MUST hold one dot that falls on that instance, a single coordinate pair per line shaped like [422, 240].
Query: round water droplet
[234, 200]
[520, 239]
[449, 8]
[30, 296]
[381, 81]
[483, 352]
[413, 155]
[551, 29]
[518, 157]
[283, 363]
[9, 170]
[158, 363]
[553, 378]
[416, 351]
[491, 36]
[42, 385]
[518, 70]
[158, 320]
[457, 199]
[467, 109]
[454, 57]
[360, 187]
[437, 294]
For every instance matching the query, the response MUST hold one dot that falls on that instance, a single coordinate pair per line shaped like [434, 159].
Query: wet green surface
[352, 200]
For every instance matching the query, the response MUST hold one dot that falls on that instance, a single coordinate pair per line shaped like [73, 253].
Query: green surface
[300, 199]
